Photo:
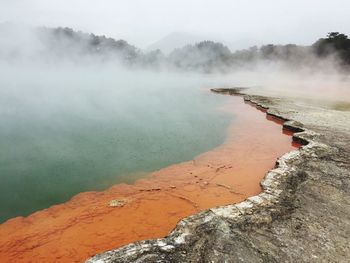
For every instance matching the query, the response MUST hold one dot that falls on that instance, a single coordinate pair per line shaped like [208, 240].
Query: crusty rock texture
[302, 215]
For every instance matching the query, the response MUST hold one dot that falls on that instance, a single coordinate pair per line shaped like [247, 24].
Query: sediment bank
[302, 215]
[94, 222]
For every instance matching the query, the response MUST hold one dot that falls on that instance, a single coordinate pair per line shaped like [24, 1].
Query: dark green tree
[334, 44]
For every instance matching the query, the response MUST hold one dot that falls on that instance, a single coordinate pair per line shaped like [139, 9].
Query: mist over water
[80, 112]
[325, 85]
[68, 129]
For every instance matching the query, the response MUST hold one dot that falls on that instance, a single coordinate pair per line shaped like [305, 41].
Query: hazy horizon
[144, 23]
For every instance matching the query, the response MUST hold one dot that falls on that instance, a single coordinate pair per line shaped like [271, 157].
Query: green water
[67, 131]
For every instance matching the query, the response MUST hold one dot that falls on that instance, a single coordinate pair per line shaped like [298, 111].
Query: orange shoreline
[93, 222]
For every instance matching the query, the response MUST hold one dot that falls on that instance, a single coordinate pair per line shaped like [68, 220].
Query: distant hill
[56, 44]
[183, 51]
[175, 40]
[204, 56]
[63, 41]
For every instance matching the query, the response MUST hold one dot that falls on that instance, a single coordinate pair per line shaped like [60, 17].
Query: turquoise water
[67, 131]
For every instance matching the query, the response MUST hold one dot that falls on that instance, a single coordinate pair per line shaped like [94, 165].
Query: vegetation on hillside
[67, 42]
[54, 44]
[334, 44]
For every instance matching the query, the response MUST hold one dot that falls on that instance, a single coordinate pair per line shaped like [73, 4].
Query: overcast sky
[142, 22]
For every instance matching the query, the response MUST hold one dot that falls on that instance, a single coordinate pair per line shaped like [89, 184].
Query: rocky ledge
[302, 214]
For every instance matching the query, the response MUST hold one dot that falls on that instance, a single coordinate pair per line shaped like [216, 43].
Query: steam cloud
[277, 69]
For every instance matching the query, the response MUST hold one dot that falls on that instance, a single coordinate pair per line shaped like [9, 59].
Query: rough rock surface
[302, 215]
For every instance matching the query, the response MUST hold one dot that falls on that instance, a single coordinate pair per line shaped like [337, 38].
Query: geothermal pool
[223, 148]
[66, 131]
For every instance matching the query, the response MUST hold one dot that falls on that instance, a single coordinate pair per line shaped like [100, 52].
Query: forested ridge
[206, 56]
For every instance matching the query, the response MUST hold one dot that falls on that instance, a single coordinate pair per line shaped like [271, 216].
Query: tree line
[205, 56]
